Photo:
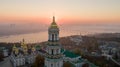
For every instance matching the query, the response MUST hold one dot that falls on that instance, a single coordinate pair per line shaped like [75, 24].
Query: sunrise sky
[66, 11]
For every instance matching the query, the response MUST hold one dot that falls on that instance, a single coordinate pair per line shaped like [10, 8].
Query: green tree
[1, 57]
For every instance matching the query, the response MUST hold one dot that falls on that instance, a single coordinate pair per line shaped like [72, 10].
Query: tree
[67, 64]
[39, 61]
[85, 65]
[78, 52]
[1, 57]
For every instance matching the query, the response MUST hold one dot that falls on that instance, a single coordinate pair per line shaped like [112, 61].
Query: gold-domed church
[22, 55]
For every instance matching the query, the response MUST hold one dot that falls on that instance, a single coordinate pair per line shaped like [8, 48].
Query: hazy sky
[66, 11]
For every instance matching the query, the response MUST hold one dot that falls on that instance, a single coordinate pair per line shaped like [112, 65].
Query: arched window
[58, 65]
[51, 65]
[56, 37]
[52, 37]
[57, 51]
[52, 51]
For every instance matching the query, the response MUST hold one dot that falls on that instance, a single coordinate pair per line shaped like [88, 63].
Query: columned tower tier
[53, 34]
[53, 31]
[54, 57]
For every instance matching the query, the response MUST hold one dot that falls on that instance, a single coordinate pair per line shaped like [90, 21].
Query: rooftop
[70, 54]
[53, 24]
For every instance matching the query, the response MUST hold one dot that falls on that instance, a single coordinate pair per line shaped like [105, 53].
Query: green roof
[70, 54]
[79, 61]
[37, 46]
[62, 50]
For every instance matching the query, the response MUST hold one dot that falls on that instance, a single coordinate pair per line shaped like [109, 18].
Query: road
[110, 57]
[115, 61]
[6, 63]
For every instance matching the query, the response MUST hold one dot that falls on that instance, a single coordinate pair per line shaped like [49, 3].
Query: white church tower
[54, 57]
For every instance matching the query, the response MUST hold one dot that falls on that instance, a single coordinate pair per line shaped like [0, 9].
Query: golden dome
[53, 24]
[16, 51]
[33, 48]
[23, 44]
[14, 48]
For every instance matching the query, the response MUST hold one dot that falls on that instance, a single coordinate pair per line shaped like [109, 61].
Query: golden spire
[14, 48]
[53, 19]
[25, 50]
[23, 43]
[53, 24]
[33, 48]
[24, 46]
[16, 51]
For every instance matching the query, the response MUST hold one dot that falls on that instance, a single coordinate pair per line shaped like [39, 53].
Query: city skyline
[66, 11]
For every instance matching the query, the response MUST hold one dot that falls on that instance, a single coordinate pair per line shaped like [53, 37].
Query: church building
[22, 56]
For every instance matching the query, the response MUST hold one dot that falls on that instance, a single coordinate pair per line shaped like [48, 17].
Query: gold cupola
[23, 43]
[16, 51]
[53, 24]
[33, 49]
[14, 48]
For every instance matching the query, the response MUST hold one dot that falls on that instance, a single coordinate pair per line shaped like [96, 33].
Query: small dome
[16, 51]
[14, 48]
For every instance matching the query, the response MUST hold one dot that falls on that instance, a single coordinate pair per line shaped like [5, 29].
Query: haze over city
[21, 16]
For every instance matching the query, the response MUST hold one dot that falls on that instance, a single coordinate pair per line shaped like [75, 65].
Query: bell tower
[54, 57]
[53, 32]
